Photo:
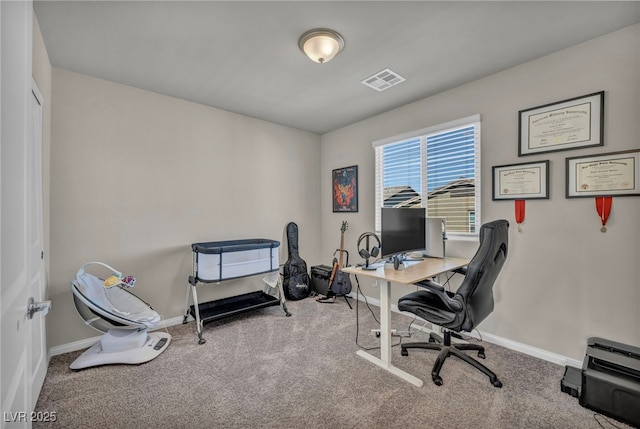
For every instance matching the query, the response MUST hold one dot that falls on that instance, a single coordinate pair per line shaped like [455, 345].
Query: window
[437, 168]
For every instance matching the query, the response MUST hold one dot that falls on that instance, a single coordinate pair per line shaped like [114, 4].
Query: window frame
[422, 134]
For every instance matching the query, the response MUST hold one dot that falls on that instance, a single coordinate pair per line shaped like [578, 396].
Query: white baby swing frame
[122, 317]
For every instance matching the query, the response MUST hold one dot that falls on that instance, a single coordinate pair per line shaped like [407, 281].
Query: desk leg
[385, 338]
[385, 324]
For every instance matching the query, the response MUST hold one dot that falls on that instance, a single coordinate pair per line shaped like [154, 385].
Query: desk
[415, 272]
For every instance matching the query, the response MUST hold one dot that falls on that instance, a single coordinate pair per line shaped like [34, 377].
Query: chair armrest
[461, 270]
[430, 284]
[437, 289]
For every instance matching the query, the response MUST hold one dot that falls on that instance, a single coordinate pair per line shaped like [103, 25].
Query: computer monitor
[403, 230]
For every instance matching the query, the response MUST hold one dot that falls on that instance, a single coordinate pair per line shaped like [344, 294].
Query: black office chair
[450, 274]
[465, 308]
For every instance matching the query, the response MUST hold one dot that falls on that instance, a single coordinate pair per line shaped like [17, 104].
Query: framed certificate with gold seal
[524, 181]
[563, 125]
[609, 174]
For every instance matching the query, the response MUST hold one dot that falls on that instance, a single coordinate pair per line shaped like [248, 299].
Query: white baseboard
[88, 342]
[504, 342]
[494, 339]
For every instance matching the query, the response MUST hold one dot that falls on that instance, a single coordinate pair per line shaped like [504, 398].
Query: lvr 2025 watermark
[23, 416]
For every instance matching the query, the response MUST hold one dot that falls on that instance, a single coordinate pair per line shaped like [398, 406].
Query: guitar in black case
[296, 281]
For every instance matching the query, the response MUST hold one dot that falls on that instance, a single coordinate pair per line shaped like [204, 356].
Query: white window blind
[437, 168]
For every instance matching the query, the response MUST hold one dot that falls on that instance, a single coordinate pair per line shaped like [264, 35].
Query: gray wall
[136, 177]
[564, 280]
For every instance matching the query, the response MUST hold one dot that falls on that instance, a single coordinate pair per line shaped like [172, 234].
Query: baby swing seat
[107, 306]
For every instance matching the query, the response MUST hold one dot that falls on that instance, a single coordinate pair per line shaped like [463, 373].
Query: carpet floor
[265, 370]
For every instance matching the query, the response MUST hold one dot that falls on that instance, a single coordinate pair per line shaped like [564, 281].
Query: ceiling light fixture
[321, 44]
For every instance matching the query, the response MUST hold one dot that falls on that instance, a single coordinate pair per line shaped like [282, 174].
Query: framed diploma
[564, 125]
[521, 181]
[609, 174]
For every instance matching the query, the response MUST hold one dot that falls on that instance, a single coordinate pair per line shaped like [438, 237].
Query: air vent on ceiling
[383, 80]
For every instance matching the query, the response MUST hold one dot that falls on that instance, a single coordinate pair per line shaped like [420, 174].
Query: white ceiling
[243, 56]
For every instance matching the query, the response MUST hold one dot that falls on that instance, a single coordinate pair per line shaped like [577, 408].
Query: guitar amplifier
[320, 276]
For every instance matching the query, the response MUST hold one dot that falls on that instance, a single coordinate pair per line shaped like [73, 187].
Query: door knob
[33, 307]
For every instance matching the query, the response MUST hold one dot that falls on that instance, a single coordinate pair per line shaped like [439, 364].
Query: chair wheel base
[446, 349]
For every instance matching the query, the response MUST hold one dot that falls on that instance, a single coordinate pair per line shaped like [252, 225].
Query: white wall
[564, 280]
[136, 177]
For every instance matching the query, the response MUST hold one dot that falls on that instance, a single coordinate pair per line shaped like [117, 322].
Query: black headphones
[368, 252]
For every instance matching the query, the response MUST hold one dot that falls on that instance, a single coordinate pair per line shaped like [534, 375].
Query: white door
[22, 345]
[35, 250]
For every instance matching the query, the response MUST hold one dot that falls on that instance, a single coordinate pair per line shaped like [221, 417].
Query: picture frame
[344, 189]
[563, 125]
[609, 174]
[524, 181]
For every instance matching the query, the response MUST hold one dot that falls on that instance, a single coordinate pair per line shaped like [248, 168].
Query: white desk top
[413, 272]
